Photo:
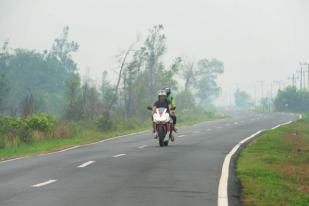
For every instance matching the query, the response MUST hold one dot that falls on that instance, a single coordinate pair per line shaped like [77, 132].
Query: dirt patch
[304, 188]
[297, 141]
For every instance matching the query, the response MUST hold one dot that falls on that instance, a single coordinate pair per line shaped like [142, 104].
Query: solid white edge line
[44, 183]
[119, 155]
[223, 182]
[86, 164]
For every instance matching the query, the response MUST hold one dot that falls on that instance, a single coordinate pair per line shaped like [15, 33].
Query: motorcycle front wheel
[161, 134]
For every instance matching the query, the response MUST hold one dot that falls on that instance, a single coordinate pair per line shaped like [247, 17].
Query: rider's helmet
[162, 93]
[168, 91]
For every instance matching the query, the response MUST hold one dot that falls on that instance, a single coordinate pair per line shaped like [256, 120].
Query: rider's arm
[154, 109]
[173, 102]
[170, 109]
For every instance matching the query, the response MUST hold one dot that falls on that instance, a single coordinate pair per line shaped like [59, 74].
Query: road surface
[133, 170]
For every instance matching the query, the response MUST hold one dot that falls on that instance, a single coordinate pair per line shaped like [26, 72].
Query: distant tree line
[292, 99]
[48, 82]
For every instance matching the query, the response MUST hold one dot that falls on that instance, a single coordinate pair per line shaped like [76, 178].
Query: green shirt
[172, 100]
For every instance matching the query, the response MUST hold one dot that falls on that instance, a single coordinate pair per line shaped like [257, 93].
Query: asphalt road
[133, 170]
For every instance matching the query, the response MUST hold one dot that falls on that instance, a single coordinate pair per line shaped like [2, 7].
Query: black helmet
[168, 91]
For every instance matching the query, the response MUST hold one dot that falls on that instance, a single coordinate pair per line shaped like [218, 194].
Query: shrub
[104, 122]
[40, 122]
[8, 124]
[10, 127]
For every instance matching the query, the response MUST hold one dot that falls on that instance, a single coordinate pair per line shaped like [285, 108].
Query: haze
[257, 40]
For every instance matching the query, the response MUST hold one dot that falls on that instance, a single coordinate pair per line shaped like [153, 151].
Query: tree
[188, 74]
[292, 100]
[72, 95]
[130, 77]
[107, 91]
[206, 77]
[242, 99]
[91, 103]
[154, 47]
[4, 93]
[62, 49]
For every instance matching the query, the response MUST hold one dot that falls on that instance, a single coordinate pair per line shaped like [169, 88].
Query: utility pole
[304, 73]
[262, 88]
[308, 75]
[292, 80]
[301, 77]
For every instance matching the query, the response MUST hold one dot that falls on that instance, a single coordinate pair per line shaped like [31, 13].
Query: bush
[8, 124]
[40, 122]
[104, 122]
[10, 128]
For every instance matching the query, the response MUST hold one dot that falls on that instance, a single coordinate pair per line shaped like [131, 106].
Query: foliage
[42, 75]
[48, 82]
[292, 100]
[4, 92]
[40, 122]
[206, 85]
[8, 124]
[242, 99]
[104, 122]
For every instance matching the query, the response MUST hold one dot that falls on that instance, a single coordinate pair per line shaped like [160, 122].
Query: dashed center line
[44, 183]
[235, 122]
[219, 127]
[86, 164]
[143, 146]
[182, 135]
[119, 155]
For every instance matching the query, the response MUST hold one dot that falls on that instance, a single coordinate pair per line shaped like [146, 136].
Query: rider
[172, 100]
[162, 102]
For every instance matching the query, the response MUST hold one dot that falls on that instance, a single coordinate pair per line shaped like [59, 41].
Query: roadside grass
[274, 168]
[86, 132]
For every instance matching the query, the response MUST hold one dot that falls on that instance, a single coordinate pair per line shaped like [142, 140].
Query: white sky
[257, 40]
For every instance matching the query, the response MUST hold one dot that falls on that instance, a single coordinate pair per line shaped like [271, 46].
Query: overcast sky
[257, 40]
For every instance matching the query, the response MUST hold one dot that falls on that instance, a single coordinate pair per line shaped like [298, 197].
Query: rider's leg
[171, 133]
[174, 123]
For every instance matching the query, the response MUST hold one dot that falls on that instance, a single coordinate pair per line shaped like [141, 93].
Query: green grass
[274, 168]
[86, 133]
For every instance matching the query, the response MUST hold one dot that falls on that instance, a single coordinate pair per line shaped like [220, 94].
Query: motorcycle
[163, 125]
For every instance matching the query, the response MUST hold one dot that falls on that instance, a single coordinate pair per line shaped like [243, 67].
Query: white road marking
[300, 116]
[10, 160]
[143, 146]
[223, 182]
[219, 127]
[182, 135]
[44, 183]
[119, 155]
[209, 129]
[275, 127]
[227, 125]
[235, 122]
[86, 164]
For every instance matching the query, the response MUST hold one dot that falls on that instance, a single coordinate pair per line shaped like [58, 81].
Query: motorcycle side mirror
[149, 108]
